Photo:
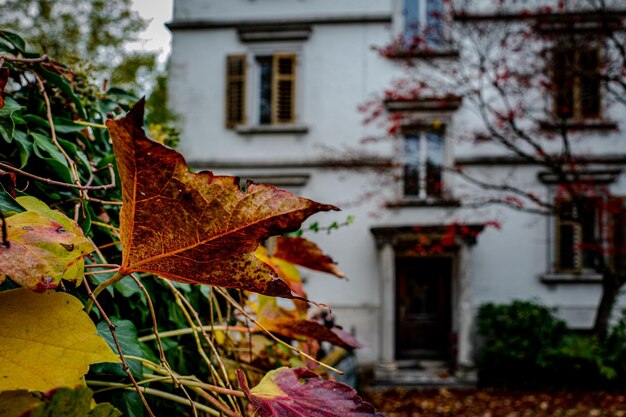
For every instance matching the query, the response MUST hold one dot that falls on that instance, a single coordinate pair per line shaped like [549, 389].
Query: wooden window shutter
[235, 90]
[283, 88]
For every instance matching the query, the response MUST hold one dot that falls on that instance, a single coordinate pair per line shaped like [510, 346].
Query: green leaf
[129, 403]
[127, 336]
[7, 119]
[37, 121]
[44, 144]
[7, 203]
[25, 146]
[14, 40]
[67, 402]
[65, 87]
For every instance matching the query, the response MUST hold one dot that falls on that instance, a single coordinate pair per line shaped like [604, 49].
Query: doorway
[423, 307]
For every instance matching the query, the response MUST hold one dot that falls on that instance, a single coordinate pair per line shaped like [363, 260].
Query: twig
[204, 335]
[117, 345]
[103, 285]
[150, 365]
[53, 135]
[189, 330]
[157, 393]
[236, 305]
[43, 58]
[63, 184]
[155, 328]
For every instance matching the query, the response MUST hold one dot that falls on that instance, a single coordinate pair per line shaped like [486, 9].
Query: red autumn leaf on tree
[305, 253]
[286, 392]
[196, 228]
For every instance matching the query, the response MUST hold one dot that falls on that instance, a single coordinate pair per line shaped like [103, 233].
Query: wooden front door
[423, 307]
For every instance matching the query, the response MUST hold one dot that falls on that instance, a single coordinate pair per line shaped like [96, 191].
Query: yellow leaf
[46, 341]
[17, 403]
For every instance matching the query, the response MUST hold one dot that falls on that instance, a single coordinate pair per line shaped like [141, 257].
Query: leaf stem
[90, 124]
[190, 330]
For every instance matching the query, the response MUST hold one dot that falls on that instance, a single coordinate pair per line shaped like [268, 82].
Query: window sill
[432, 202]
[422, 54]
[571, 278]
[272, 129]
[591, 124]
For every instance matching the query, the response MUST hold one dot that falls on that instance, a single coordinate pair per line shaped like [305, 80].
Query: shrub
[526, 346]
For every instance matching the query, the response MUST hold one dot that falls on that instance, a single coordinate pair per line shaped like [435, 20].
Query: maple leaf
[286, 392]
[48, 341]
[44, 246]
[196, 228]
[305, 253]
[289, 323]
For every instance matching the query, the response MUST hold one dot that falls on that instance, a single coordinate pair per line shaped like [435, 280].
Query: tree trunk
[610, 291]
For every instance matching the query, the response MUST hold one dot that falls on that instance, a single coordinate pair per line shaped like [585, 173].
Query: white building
[270, 90]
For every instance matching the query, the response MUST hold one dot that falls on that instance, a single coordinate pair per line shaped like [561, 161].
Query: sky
[156, 37]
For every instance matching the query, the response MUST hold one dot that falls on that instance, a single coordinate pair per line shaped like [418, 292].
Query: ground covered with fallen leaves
[416, 402]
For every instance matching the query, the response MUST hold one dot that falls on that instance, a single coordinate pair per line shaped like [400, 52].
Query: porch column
[466, 316]
[387, 272]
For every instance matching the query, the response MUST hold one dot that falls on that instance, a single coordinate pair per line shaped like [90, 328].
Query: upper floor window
[576, 83]
[423, 23]
[273, 78]
[423, 163]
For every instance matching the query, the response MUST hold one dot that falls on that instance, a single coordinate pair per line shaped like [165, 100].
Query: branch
[63, 184]
[117, 345]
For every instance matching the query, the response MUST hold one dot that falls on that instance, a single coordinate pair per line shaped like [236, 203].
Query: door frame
[392, 242]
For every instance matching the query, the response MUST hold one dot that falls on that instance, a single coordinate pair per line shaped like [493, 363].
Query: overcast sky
[156, 37]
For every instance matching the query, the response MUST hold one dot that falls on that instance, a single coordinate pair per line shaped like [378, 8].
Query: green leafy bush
[525, 346]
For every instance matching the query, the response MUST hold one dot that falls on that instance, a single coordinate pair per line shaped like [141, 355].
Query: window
[576, 83]
[423, 23]
[423, 161]
[578, 235]
[274, 100]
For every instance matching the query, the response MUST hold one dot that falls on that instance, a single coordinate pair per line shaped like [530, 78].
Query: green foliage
[72, 30]
[54, 130]
[525, 346]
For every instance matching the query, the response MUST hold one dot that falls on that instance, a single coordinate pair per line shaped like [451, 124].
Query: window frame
[252, 83]
[422, 193]
[423, 24]
[577, 111]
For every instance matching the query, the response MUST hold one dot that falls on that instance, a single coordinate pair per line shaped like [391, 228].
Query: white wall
[337, 71]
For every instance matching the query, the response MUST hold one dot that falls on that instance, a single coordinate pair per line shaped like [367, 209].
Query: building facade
[280, 91]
